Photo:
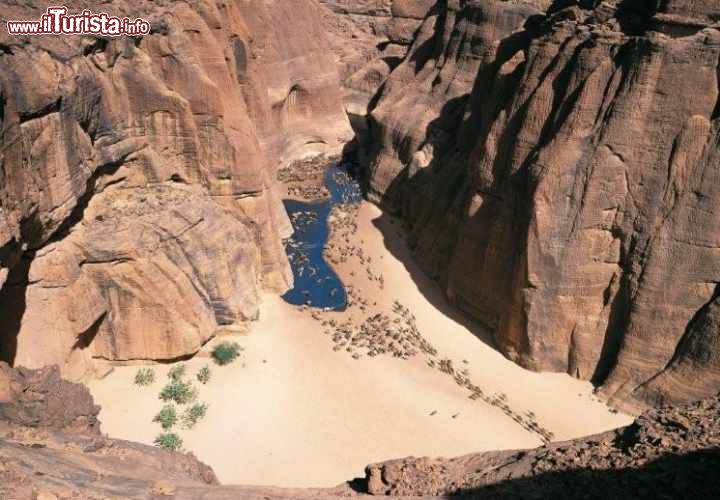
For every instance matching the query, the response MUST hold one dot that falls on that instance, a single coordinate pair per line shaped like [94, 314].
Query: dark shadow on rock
[85, 339]
[12, 307]
[359, 485]
[689, 476]
[394, 240]
[635, 16]
[432, 199]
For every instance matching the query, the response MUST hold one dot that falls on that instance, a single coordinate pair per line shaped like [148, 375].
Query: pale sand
[308, 416]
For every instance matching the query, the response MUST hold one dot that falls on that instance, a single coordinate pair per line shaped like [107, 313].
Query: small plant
[169, 441]
[178, 391]
[194, 414]
[226, 353]
[145, 377]
[177, 372]
[167, 417]
[203, 375]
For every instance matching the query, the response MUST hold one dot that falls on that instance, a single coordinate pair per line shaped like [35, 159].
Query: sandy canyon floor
[300, 410]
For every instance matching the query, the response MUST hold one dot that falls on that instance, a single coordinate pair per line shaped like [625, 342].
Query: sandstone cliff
[558, 173]
[370, 39]
[137, 201]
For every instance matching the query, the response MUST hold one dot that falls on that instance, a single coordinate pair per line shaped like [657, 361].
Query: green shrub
[203, 375]
[169, 441]
[226, 353]
[177, 372]
[194, 414]
[178, 391]
[167, 417]
[145, 377]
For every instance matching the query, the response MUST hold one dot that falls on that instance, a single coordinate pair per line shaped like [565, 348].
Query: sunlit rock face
[370, 39]
[138, 209]
[555, 162]
[559, 175]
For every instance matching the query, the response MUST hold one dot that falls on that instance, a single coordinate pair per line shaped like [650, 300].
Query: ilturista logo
[57, 21]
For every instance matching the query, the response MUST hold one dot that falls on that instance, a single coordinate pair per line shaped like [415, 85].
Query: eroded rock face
[423, 100]
[559, 177]
[42, 399]
[138, 209]
[370, 39]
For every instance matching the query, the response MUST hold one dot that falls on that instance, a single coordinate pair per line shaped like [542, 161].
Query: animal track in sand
[395, 332]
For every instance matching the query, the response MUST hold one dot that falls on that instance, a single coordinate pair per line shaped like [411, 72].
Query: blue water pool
[316, 283]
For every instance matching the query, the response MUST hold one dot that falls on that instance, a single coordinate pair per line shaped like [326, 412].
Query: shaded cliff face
[137, 202]
[559, 175]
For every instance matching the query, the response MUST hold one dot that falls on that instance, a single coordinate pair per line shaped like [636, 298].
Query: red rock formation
[557, 172]
[137, 202]
[559, 177]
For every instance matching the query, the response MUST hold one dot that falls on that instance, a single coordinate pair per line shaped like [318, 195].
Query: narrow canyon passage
[330, 248]
[298, 411]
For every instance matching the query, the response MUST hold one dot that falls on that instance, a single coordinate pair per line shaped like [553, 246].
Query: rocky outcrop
[668, 452]
[422, 102]
[138, 207]
[41, 399]
[558, 176]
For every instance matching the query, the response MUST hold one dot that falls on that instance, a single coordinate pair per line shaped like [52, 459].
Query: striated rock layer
[138, 210]
[559, 174]
[370, 38]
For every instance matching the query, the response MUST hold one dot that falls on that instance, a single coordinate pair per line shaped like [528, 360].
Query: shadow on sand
[394, 240]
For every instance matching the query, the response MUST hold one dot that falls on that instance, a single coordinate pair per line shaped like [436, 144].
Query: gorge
[536, 261]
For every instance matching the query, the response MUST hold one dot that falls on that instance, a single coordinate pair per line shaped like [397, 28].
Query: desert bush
[203, 375]
[226, 353]
[167, 416]
[177, 372]
[145, 377]
[169, 440]
[194, 414]
[178, 391]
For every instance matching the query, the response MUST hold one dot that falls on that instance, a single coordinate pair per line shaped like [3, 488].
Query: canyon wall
[555, 162]
[138, 210]
[370, 38]
[558, 172]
